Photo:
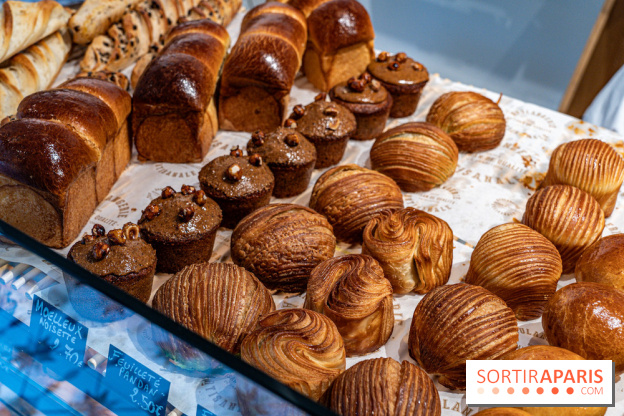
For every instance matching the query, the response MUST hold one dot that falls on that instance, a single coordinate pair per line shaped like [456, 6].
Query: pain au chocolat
[603, 262]
[590, 165]
[414, 249]
[570, 218]
[352, 291]
[383, 387]
[281, 244]
[219, 301]
[300, 348]
[455, 323]
[418, 156]
[350, 196]
[518, 264]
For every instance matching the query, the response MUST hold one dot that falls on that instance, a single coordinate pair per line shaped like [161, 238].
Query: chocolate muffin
[327, 125]
[289, 155]
[121, 258]
[403, 77]
[181, 226]
[239, 184]
[368, 100]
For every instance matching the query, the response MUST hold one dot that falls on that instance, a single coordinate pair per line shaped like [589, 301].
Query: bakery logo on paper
[581, 128]
[439, 199]
[530, 124]
[176, 170]
[569, 383]
[103, 212]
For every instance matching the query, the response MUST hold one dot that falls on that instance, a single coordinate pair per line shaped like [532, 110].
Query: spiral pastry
[590, 165]
[221, 302]
[298, 347]
[474, 122]
[414, 248]
[519, 265]
[418, 156]
[455, 323]
[570, 218]
[281, 244]
[352, 291]
[383, 387]
[349, 196]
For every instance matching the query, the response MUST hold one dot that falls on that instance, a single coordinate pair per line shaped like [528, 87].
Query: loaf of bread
[95, 16]
[174, 117]
[260, 70]
[60, 156]
[32, 70]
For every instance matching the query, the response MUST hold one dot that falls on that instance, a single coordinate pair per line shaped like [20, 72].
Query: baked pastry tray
[487, 189]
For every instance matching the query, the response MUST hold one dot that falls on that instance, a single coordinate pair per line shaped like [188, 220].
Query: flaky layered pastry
[455, 323]
[418, 156]
[352, 291]
[414, 248]
[570, 218]
[221, 302]
[383, 387]
[590, 165]
[350, 195]
[603, 262]
[281, 244]
[473, 121]
[301, 348]
[518, 264]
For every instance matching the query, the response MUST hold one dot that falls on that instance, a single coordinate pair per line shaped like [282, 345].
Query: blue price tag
[64, 338]
[204, 412]
[141, 386]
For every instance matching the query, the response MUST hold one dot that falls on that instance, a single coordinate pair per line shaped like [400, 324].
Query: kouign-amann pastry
[586, 318]
[383, 387]
[281, 244]
[603, 262]
[353, 292]
[403, 77]
[350, 196]
[473, 121]
[369, 102]
[455, 323]
[298, 347]
[518, 264]
[570, 218]
[181, 226]
[289, 155]
[239, 184]
[327, 125]
[590, 165]
[414, 248]
[221, 302]
[418, 156]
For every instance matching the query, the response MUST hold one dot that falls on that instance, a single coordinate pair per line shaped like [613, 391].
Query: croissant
[455, 323]
[418, 156]
[590, 165]
[298, 347]
[518, 264]
[603, 262]
[353, 292]
[281, 244]
[221, 302]
[414, 249]
[349, 196]
[383, 387]
[570, 218]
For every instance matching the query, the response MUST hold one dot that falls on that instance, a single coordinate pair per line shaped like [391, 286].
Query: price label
[65, 339]
[141, 386]
[204, 412]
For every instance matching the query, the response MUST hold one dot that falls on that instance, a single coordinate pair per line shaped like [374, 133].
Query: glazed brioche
[174, 117]
[260, 70]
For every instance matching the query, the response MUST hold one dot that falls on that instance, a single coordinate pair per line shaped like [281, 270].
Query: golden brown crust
[455, 323]
[353, 292]
[473, 121]
[570, 218]
[518, 264]
[541, 352]
[418, 156]
[383, 387]
[414, 248]
[349, 196]
[603, 262]
[298, 347]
